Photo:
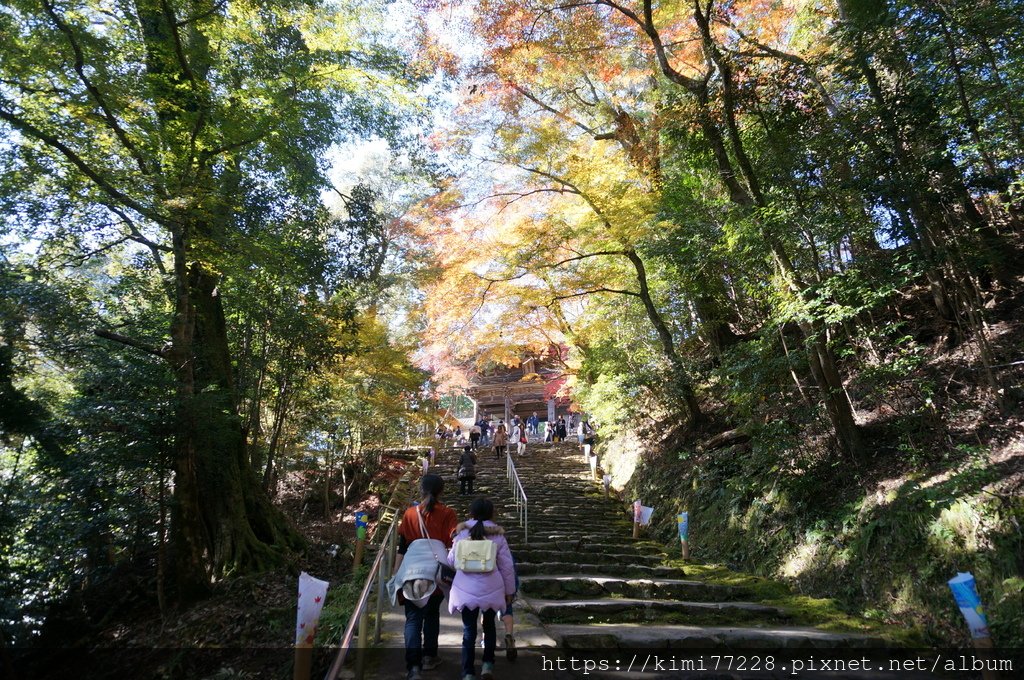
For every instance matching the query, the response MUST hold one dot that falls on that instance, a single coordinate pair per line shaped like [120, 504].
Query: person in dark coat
[467, 471]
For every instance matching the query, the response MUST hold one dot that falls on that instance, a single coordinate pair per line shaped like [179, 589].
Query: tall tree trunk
[681, 380]
[224, 522]
[280, 413]
[190, 539]
[254, 421]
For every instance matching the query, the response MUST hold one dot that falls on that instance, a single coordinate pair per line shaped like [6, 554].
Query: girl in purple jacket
[489, 592]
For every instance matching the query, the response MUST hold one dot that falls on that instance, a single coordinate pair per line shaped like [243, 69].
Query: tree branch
[79, 66]
[790, 58]
[179, 49]
[572, 189]
[602, 289]
[71, 155]
[550, 109]
[519, 195]
[552, 265]
[131, 342]
[216, 7]
[155, 249]
[646, 24]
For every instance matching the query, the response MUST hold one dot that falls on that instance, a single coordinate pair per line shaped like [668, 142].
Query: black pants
[422, 625]
[469, 617]
[463, 482]
[474, 440]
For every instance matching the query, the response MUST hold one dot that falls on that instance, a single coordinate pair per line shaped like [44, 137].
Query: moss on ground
[824, 613]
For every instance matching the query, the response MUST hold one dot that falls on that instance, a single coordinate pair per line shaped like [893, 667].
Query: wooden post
[382, 578]
[360, 548]
[607, 482]
[363, 643]
[303, 662]
[985, 645]
[637, 505]
[593, 464]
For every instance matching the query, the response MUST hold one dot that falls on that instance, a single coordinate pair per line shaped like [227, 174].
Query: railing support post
[382, 578]
[363, 643]
[303, 663]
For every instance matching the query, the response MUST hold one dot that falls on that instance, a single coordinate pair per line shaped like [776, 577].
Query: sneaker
[487, 671]
[510, 648]
[431, 662]
[414, 674]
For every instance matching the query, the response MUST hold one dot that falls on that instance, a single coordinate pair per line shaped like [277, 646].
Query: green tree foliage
[173, 283]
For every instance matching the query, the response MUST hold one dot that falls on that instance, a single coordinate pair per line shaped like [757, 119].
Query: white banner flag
[312, 592]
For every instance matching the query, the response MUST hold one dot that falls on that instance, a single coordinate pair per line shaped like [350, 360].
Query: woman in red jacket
[423, 624]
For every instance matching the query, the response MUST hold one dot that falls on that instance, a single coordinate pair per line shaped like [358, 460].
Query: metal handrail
[381, 571]
[519, 494]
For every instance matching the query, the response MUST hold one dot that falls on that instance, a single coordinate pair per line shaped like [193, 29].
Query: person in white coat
[519, 437]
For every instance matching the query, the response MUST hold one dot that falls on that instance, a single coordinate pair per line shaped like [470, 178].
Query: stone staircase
[593, 586]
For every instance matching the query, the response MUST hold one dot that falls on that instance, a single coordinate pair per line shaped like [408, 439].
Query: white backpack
[475, 557]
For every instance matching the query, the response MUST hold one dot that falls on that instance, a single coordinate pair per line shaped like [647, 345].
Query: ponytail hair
[431, 485]
[482, 510]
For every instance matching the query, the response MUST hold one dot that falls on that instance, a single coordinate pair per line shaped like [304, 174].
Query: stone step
[574, 487]
[514, 534]
[528, 553]
[585, 508]
[621, 596]
[646, 635]
[610, 526]
[583, 512]
[578, 545]
[561, 536]
[611, 529]
[633, 610]
[611, 536]
[632, 570]
[575, 519]
[557, 587]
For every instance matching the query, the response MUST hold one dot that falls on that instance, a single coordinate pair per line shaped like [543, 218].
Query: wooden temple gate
[504, 391]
